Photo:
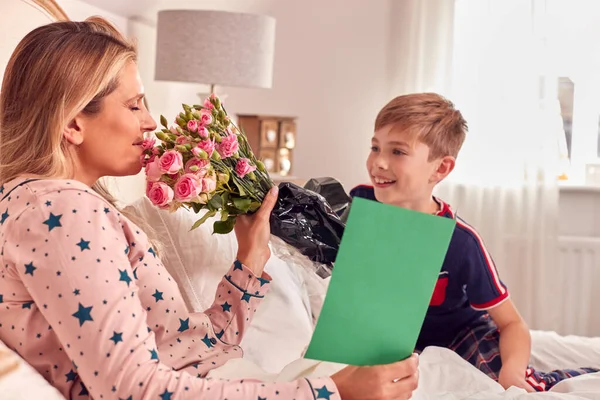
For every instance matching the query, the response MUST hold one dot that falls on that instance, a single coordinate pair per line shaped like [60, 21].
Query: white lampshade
[215, 48]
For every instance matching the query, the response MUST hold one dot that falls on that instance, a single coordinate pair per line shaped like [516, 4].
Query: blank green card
[385, 271]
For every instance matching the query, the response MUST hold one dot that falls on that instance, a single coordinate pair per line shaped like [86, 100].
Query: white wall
[78, 11]
[330, 71]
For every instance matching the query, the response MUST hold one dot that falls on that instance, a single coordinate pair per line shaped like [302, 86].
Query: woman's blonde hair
[56, 72]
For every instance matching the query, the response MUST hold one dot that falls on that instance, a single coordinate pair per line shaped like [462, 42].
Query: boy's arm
[487, 292]
[515, 345]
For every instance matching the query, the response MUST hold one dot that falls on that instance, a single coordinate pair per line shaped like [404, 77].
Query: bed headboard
[19, 17]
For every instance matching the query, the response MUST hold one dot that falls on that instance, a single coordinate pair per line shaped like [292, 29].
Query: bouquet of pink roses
[204, 162]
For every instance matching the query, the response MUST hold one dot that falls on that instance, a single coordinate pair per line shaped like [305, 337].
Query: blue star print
[153, 354]
[151, 251]
[1, 298]
[117, 337]
[124, 277]
[84, 391]
[53, 221]
[323, 393]
[237, 266]
[220, 334]
[4, 217]
[84, 245]
[48, 203]
[158, 295]
[166, 395]
[83, 314]
[246, 297]
[25, 305]
[226, 306]
[71, 376]
[29, 268]
[207, 341]
[184, 325]
[263, 281]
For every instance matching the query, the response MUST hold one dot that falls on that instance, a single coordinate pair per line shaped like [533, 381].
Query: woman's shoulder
[56, 196]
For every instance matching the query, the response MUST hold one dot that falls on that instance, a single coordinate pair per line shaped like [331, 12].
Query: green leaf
[240, 187]
[202, 220]
[164, 122]
[197, 207]
[216, 202]
[242, 204]
[186, 108]
[255, 205]
[224, 215]
[224, 227]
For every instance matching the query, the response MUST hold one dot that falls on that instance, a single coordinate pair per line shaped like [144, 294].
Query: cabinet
[272, 139]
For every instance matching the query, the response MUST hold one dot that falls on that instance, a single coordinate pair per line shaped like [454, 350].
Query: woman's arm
[81, 279]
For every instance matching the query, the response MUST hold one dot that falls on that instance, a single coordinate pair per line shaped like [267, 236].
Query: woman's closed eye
[374, 149]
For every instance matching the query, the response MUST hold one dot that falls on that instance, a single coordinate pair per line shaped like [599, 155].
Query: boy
[417, 139]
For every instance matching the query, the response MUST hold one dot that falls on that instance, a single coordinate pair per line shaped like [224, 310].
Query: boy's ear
[73, 132]
[445, 165]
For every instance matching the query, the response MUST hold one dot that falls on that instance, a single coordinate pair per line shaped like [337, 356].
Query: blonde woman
[85, 298]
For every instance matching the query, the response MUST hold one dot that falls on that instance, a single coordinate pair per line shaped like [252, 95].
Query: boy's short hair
[432, 118]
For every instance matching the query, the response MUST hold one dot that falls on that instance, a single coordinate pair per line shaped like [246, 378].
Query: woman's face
[110, 142]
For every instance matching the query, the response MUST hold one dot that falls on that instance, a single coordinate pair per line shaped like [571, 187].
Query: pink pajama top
[86, 301]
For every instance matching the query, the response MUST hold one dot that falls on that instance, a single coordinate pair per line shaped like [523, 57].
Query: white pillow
[23, 382]
[197, 260]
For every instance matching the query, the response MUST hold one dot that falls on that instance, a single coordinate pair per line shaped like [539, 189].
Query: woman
[86, 300]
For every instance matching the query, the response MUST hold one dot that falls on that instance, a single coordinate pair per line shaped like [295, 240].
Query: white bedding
[443, 375]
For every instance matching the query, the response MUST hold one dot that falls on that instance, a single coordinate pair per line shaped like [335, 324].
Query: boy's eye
[134, 108]
[398, 152]
[374, 149]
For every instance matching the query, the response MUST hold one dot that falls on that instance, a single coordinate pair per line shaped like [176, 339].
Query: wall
[78, 11]
[330, 71]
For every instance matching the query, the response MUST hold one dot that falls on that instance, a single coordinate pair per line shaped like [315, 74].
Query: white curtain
[505, 181]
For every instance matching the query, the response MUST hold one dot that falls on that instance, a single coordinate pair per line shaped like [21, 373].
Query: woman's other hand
[383, 382]
[253, 233]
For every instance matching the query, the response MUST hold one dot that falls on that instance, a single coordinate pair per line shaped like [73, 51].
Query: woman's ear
[73, 132]
[445, 165]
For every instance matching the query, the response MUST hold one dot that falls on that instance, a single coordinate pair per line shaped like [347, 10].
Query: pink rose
[208, 146]
[153, 171]
[206, 117]
[192, 125]
[228, 146]
[209, 184]
[195, 162]
[170, 162]
[148, 143]
[203, 132]
[181, 140]
[160, 194]
[243, 167]
[187, 187]
[208, 104]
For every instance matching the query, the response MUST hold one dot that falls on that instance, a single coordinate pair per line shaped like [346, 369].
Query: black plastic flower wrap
[305, 220]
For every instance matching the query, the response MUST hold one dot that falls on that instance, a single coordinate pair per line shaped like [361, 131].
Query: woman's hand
[383, 382]
[253, 234]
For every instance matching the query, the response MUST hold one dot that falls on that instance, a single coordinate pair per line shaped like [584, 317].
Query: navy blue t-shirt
[467, 286]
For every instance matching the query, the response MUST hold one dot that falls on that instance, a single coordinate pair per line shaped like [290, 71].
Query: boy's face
[400, 170]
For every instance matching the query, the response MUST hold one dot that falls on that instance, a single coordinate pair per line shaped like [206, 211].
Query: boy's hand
[508, 378]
